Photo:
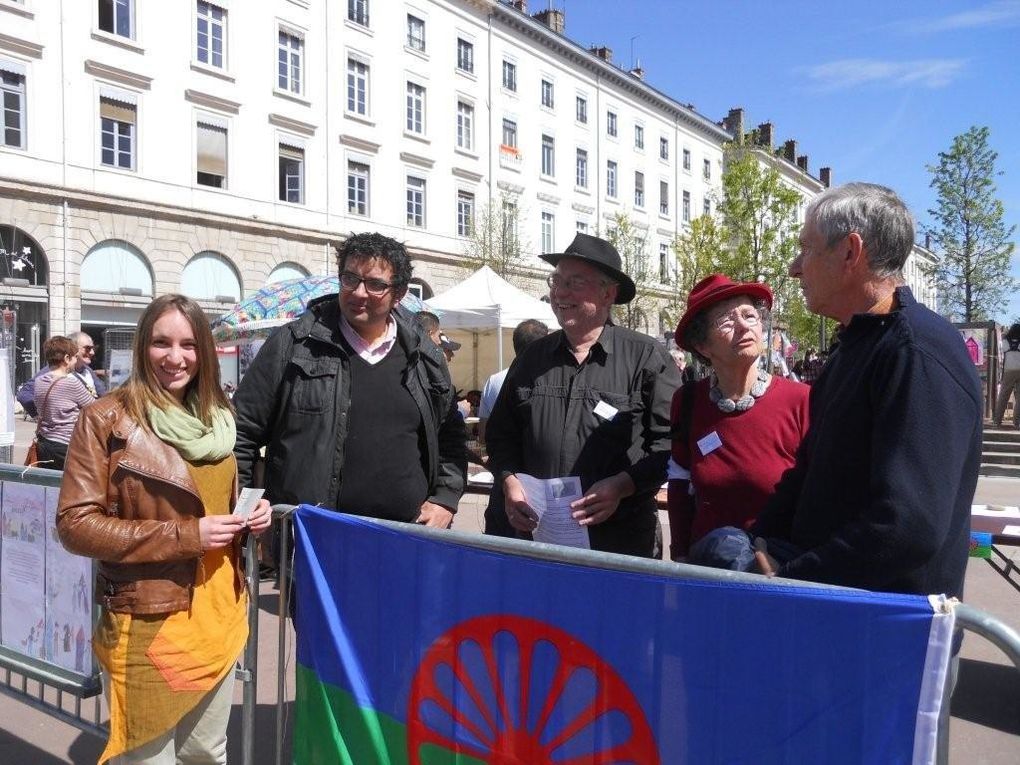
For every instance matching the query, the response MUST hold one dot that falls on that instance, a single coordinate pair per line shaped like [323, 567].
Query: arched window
[420, 289]
[286, 271]
[21, 257]
[210, 276]
[115, 266]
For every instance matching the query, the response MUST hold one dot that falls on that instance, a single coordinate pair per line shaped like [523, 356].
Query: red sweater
[733, 481]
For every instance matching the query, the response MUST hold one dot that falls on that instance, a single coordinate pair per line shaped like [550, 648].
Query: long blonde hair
[143, 389]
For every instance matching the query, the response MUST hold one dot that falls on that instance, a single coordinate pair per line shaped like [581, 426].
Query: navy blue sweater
[881, 492]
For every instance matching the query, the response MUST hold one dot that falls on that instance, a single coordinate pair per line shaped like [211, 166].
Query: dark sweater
[383, 452]
[881, 493]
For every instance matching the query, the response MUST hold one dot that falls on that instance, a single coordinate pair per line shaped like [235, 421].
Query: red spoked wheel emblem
[509, 690]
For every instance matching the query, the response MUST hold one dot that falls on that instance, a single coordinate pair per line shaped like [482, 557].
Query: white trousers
[200, 738]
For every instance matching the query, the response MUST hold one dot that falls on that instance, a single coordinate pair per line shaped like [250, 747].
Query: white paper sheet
[995, 511]
[550, 498]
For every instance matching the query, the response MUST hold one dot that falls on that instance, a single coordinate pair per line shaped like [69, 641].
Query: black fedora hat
[602, 255]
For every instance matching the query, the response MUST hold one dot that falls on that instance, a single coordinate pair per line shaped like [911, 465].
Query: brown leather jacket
[127, 499]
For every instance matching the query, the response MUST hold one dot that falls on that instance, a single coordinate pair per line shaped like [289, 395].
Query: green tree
[631, 243]
[758, 214]
[698, 252]
[495, 241]
[969, 233]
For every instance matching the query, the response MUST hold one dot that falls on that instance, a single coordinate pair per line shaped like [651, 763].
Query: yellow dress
[160, 666]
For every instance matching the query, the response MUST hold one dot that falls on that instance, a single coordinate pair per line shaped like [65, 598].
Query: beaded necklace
[728, 405]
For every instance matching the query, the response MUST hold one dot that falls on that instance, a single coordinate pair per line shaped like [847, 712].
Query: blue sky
[873, 90]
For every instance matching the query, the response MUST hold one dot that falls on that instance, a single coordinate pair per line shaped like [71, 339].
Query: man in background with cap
[590, 400]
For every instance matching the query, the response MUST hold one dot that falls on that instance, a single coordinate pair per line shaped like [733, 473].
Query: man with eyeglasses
[590, 400]
[91, 379]
[354, 406]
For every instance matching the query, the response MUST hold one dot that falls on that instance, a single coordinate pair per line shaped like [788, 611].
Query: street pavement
[985, 728]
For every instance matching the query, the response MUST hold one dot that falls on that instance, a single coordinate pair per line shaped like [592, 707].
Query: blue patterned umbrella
[276, 304]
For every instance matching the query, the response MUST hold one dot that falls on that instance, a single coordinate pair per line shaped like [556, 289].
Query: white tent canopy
[486, 301]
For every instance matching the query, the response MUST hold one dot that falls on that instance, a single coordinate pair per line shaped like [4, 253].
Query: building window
[415, 201]
[510, 75]
[117, 17]
[210, 28]
[290, 51]
[357, 188]
[12, 91]
[548, 156]
[582, 227]
[415, 108]
[663, 197]
[663, 148]
[465, 56]
[706, 170]
[357, 11]
[509, 133]
[465, 213]
[582, 110]
[292, 174]
[548, 228]
[687, 160]
[508, 224]
[582, 169]
[687, 207]
[547, 94]
[357, 87]
[465, 125]
[415, 33]
[706, 208]
[639, 137]
[663, 263]
[611, 123]
[611, 179]
[117, 126]
[639, 189]
[211, 162]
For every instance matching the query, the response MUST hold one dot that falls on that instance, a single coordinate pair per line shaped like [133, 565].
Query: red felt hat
[711, 290]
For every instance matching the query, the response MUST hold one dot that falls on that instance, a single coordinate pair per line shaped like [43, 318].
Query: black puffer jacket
[295, 397]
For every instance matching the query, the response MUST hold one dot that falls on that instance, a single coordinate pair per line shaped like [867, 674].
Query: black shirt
[544, 422]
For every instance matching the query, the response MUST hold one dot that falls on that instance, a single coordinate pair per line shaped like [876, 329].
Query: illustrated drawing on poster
[68, 600]
[120, 367]
[22, 567]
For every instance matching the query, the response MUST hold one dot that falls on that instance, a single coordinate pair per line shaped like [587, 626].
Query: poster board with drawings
[46, 611]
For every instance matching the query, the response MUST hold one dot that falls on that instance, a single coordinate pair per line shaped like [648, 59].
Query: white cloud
[1001, 13]
[854, 72]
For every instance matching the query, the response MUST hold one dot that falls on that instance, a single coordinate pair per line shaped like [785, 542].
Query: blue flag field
[422, 649]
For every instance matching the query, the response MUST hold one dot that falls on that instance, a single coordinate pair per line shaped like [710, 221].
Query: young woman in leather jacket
[149, 486]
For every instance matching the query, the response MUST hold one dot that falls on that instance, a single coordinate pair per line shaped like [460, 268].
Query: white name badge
[709, 443]
[605, 411]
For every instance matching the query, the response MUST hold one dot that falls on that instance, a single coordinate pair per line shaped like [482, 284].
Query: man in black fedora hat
[591, 400]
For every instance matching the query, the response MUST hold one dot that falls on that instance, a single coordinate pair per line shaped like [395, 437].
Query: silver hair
[876, 213]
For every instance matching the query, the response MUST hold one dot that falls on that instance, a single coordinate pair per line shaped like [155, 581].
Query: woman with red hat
[736, 431]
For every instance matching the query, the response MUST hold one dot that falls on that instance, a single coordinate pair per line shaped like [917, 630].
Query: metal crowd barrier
[973, 619]
[48, 688]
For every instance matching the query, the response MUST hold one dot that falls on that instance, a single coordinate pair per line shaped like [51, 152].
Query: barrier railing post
[251, 653]
[284, 568]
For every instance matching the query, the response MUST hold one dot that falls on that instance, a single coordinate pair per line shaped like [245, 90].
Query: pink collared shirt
[370, 354]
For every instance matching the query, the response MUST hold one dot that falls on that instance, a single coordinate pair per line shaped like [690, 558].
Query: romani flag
[416, 647]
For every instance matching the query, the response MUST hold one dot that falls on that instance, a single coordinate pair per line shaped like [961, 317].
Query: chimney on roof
[790, 151]
[734, 123]
[603, 52]
[519, 5]
[802, 162]
[637, 71]
[766, 135]
[552, 18]
[825, 176]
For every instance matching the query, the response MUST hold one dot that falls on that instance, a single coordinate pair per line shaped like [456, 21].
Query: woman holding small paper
[148, 489]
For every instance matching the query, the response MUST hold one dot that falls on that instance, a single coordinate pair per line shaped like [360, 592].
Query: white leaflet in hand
[550, 499]
[605, 411]
[246, 502]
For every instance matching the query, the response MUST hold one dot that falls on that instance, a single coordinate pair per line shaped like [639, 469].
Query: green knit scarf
[196, 441]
